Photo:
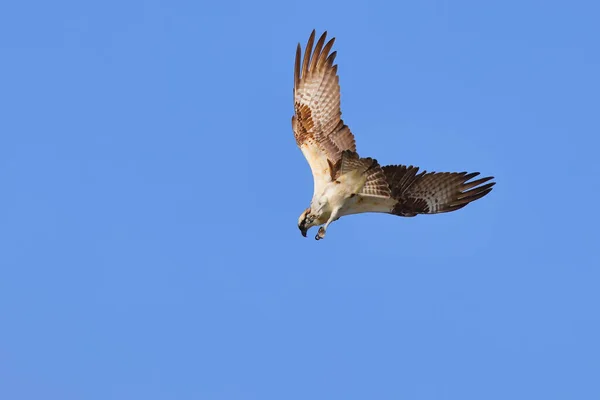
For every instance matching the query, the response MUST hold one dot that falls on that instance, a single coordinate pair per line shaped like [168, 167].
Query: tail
[350, 161]
[375, 182]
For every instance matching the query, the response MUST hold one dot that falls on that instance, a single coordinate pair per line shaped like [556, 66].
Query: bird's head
[306, 221]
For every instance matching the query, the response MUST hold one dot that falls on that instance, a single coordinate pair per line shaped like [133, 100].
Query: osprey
[344, 182]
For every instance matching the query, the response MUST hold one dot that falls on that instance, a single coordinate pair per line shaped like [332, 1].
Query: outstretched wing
[318, 128]
[415, 193]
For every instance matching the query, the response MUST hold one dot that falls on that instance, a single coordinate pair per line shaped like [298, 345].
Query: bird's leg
[322, 230]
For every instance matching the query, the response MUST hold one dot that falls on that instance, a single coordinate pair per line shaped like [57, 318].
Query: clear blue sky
[151, 188]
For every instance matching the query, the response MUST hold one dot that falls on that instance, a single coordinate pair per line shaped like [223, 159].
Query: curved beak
[303, 230]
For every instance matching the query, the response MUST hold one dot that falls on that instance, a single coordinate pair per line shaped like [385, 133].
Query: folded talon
[320, 234]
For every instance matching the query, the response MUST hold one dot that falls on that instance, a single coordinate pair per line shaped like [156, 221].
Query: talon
[321, 234]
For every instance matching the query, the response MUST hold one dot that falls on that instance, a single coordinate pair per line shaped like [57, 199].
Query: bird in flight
[344, 182]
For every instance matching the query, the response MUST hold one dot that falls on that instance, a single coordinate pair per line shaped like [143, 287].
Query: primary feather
[345, 183]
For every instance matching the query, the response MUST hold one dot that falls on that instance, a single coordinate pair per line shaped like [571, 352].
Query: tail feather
[375, 184]
[350, 161]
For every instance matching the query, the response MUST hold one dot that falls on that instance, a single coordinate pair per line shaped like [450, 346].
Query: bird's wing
[318, 128]
[413, 193]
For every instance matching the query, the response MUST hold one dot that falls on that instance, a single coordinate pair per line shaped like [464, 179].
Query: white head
[306, 221]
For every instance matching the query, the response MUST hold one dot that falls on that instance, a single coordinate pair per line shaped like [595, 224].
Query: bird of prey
[344, 182]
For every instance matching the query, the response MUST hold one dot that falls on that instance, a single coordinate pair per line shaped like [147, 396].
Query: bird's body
[345, 183]
[338, 196]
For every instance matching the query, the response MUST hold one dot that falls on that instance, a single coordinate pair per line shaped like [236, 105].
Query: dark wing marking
[412, 193]
[317, 118]
[434, 192]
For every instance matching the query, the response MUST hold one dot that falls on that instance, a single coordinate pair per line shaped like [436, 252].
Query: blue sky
[151, 188]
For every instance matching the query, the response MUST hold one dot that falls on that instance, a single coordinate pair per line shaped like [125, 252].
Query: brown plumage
[432, 193]
[317, 100]
[330, 149]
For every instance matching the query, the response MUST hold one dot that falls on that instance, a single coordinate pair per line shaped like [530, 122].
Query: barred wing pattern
[329, 147]
[318, 128]
[414, 193]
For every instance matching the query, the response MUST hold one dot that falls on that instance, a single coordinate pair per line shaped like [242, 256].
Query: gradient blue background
[150, 190]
